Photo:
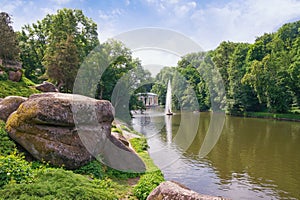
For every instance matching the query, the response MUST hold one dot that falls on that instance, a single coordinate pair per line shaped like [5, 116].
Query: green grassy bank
[22, 88]
[21, 179]
[266, 115]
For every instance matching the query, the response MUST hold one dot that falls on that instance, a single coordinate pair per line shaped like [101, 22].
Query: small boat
[169, 112]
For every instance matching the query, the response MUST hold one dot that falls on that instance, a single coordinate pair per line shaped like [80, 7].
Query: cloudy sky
[207, 22]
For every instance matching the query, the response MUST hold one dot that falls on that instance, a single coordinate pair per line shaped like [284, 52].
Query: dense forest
[238, 77]
[259, 77]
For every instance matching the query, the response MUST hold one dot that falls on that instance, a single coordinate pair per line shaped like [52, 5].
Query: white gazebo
[149, 99]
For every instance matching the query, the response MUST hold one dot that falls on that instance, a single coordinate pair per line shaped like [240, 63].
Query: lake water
[252, 158]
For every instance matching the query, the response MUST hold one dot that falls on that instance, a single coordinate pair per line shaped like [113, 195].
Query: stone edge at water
[175, 191]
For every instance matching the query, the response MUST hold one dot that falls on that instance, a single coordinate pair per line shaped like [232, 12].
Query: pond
[252, 158]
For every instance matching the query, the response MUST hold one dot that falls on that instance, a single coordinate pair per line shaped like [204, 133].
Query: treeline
[260, 77]
[58, 46]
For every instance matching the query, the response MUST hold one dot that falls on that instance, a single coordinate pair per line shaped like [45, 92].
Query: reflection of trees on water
[265, 151]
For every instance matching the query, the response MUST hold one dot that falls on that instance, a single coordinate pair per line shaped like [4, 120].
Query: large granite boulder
[10, 104]
[46, 87]
[169, 190]
[69, 130]
[45, 127]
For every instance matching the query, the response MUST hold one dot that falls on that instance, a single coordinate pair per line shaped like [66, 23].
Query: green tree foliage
[241, 97]
[118, 61]
[294, 69]
[41, 38]
[188, 68]
[62, 62]
[8, 39]
[221, 59]
[263, 76]
[161, 82]
[273, 74]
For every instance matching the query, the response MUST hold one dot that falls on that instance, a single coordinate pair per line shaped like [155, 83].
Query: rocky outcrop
[69, 130]
[169, 190]
[10, 104]
[46, 87]
[12, 69]
[45, 127]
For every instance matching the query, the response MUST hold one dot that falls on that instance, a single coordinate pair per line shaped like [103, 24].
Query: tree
[221, 58]
[35, 39]
[161, 81]
[116, 61]
[294, 70]
[188, 68]
[62, 63]
[8, 39]
[241, 97]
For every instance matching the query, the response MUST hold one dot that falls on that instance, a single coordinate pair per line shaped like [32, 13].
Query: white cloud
[182, 10]
[110, 15]
[108, 23]
[61, 2]
[241, 20]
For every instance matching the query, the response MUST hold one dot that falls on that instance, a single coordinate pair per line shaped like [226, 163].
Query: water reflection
[253, 158]
[168, 122]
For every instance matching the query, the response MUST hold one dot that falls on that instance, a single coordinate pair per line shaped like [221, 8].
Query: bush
[147, 183]
[7, 146]
[93, 169]
[139, 144]
[3, 76]
[14, 168]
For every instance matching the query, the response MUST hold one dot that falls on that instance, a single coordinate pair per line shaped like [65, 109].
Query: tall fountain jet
[168, 106]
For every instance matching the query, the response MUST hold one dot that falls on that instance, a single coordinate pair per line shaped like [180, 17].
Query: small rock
[46, 87]
[120, 137]
[170, 190]
[10, 104]
[15, 76]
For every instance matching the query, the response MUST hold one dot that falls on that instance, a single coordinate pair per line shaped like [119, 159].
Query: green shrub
[60, 184]
[93, 169]
[3, 76]
[14, 168]
[139, 144]
[147, 183]
[7, 146]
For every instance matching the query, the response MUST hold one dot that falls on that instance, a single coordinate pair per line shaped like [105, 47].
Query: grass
[60, 184]
[7, 146]
[22, 88]
[20, 179]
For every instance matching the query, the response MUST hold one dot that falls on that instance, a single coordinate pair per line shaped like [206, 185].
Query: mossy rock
[10, 104]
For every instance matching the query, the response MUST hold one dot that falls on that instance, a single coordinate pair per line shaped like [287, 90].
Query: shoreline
[275, 116]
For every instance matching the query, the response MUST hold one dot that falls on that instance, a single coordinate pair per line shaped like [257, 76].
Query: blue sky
[206, 22]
